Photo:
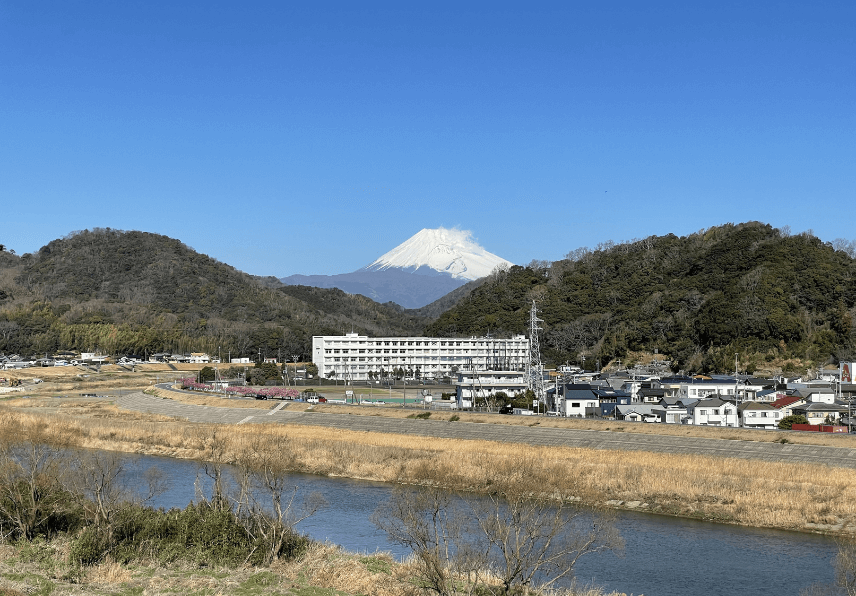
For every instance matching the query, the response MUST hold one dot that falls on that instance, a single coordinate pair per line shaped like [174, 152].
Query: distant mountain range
[778, 302]
[417, 272]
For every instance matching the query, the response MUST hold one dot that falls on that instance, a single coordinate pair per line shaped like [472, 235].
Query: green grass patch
[377, 565]
[257, 584]
[36, 585]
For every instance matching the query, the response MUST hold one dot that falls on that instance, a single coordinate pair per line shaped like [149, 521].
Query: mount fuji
[420, 270]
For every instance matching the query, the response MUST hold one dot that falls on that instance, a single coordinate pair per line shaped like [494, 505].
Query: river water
[663, 556]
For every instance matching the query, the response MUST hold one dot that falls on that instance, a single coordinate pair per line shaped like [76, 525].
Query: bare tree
[216, 447]
[527, 539]
[266, 497]
[98, 476]
[431, 522]
[580, 254]
[33, 468]
[537, 538]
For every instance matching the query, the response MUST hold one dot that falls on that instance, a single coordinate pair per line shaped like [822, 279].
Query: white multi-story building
[353, 356]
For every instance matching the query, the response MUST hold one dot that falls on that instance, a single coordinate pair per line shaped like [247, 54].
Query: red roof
[783, 402]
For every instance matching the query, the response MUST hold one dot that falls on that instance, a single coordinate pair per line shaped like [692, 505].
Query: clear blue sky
[286, 137]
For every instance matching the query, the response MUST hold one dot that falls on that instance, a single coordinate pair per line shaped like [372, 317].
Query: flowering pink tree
[265, 392]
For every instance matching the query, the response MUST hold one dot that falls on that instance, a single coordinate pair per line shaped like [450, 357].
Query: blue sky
[311, 138]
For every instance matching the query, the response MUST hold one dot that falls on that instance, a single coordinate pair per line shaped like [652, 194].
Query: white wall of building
[577, 407]
[482, 385]
[353, 356]
[718, 415]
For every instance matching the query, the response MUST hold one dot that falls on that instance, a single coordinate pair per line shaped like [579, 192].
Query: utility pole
[534, 367]
[295, 357]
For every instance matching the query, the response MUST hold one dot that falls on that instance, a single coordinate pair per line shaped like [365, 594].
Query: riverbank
[41, 567]
[803, 497]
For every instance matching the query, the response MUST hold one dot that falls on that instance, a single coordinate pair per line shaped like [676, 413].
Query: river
[663, 556]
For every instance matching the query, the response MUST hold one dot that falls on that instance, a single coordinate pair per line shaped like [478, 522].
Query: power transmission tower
[534, 367]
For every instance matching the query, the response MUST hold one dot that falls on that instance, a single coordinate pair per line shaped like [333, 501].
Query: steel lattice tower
[534, 367]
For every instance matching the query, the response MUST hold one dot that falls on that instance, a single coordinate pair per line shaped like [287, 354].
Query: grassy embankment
[324, 570]
[748, 492]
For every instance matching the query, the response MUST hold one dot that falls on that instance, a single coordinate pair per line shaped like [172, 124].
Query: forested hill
[135, 291]
[777, 300]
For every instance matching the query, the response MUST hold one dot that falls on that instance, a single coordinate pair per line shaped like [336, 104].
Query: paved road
[833, 456]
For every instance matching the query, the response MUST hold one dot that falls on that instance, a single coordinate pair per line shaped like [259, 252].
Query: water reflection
[663, 556]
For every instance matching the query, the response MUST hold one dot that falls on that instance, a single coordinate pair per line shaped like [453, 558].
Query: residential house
[672, 385]
[580, 400]
[713, 411]
[672, 410]
[636, 413]
[786, 404]
[705, 388]
[609, 398]
[758, 415]
[819, 412]
[757, 389]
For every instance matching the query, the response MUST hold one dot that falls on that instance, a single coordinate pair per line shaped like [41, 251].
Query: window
[575, 404]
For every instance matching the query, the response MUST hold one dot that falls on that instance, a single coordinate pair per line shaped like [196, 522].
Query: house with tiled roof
[758, 415]
[786, 404]
[821, 412]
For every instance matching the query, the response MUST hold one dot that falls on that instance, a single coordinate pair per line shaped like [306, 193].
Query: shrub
[198, 534]
[787, 422]
[88, 548]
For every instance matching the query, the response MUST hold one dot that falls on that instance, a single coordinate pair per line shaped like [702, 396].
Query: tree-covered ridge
[745, 288]
[139, 292]
[140, 268]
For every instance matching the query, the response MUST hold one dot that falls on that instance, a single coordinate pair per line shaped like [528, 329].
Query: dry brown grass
[328, 566]
[750, 492]
[42, 568]
[72, 381]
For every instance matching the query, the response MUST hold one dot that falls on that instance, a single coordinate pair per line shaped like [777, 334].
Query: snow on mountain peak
[450, 251]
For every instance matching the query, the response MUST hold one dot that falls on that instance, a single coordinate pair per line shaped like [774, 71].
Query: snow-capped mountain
[446, 251]
[417, 272]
